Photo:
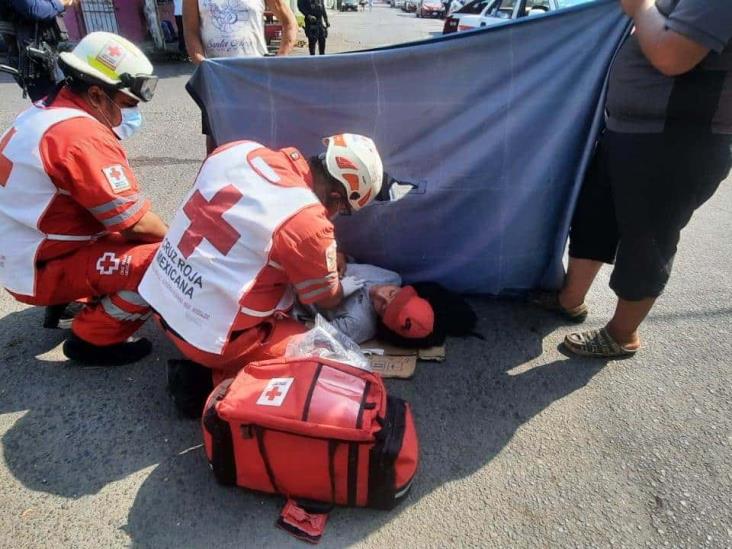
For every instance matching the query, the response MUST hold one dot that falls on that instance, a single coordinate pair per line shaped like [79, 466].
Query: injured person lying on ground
[415, 316]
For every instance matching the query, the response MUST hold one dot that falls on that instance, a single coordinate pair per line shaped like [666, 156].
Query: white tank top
[232, 28]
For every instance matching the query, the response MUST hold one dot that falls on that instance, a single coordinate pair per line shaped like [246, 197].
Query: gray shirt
[355, 316]
[642, 100]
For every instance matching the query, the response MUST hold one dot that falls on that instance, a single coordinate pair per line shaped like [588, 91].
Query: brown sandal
[596, 343]
[549, 301]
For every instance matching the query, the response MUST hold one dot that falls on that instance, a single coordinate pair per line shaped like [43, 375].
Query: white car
[397, 3]
[486, 13]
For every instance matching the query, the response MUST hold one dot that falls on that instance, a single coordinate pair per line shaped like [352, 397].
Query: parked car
[486, 13]
[430, 8]
[410, 6]
[349, 5]
[397, 3]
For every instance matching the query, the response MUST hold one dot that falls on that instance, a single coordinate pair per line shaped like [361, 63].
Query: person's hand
[327, 25]
[197, 58]
[350, 285]
[342, 264]
[68, 3]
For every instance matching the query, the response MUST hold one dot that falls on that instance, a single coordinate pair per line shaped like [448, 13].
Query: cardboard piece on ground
[397, 362]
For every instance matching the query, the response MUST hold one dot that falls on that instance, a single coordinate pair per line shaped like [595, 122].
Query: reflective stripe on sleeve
[113, 204]
[317, 292]
[317, 281]
[129, 212]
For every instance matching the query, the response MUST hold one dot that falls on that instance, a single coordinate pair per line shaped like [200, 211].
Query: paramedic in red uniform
[73, 221]
[253, 236]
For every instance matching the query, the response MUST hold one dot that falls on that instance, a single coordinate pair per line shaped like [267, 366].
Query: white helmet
[354, 161]
[109, 59]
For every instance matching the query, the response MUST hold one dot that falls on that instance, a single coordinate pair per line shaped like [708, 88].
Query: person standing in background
[664, 153]
[233, 28]
[316, 23]
[30, 24]
[178, 12]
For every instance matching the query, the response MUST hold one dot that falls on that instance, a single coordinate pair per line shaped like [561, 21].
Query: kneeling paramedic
[74, 224]
[252, 236]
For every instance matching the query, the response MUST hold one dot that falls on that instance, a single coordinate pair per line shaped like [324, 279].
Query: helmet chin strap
[106, 119]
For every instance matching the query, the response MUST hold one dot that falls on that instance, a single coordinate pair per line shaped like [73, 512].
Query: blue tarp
[496, 126]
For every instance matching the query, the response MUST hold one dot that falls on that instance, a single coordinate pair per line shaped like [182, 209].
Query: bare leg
[580, 275]
[629, 315]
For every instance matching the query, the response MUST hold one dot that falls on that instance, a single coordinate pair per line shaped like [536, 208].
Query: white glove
[351, 285]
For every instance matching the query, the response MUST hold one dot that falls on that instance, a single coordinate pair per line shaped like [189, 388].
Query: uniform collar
[299, 165]
[67, 99]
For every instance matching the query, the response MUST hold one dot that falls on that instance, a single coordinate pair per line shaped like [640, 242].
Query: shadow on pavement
[81, 428]
[467, 409]
[84, 428]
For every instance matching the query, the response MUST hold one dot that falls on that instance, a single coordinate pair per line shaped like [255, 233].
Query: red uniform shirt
[97, 190]
[303, 252]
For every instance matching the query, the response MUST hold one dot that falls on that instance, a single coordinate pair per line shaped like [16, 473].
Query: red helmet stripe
[344, 163]
[363, 201]
[352, 179]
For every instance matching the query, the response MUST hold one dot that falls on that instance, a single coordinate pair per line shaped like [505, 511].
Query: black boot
[189, 384]
[61, 316]
[78, 350]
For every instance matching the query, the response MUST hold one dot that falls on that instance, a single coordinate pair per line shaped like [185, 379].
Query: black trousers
[640, 192]
[181, 38]
[317, 37]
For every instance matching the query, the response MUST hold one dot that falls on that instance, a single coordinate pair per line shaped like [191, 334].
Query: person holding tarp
[254, 234]
[226, 28]
[664, 153]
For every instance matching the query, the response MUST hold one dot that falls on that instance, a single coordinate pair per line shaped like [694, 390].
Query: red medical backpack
[312, 429]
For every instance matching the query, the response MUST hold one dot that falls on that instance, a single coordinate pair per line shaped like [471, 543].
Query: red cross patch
[275, 392]
[207, 221]
[111, 55]
[108, 264]
[117, 178]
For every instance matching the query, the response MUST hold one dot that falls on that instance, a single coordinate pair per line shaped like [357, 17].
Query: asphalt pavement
[522, 446]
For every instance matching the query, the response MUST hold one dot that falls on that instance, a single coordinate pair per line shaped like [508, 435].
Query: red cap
[409, 315]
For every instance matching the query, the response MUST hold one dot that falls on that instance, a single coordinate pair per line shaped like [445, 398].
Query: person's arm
[91, 167]
[325, 15]
[40, 10]
[150, 228]
[284, 14]
[668, 51]
[330, 301]
[356, 321]
[192, 31]
[304, 7]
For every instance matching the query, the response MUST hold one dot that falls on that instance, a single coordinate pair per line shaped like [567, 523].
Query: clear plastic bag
[325, 341]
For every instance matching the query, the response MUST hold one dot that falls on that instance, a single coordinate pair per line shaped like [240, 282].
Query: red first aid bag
[313, 430]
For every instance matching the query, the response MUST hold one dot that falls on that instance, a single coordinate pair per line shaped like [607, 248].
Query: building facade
[136, 20]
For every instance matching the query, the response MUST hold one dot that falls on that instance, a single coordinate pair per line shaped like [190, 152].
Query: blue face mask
[131, 122]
